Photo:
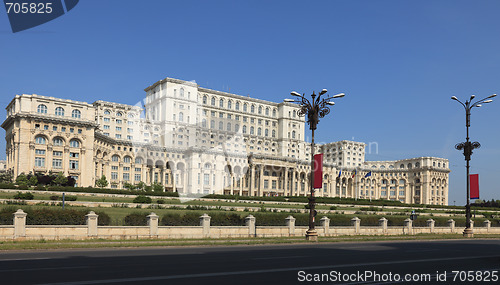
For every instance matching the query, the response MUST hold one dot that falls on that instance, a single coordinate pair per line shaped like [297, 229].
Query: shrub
[24, 196]
[136, 219]
[160, 201]
[143, 199]
[54, 197]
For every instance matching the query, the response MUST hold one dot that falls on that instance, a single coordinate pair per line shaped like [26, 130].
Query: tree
[102, 182]
[129, 186]
[140, 186]
[60, 179]
[6, 177]
[22, 179]
[157, 187]
[33, 181]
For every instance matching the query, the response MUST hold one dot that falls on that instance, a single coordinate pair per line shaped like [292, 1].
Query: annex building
[196, 140]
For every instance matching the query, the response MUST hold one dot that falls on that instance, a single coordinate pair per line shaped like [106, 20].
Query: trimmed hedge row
[278, 219]
[89, 190]
[44, 216]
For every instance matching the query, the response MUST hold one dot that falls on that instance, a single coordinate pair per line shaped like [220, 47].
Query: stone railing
[19, 230]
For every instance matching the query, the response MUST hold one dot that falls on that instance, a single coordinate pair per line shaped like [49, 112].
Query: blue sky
[399, 62]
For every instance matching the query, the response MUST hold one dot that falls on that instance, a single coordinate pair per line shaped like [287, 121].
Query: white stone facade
[198, 141]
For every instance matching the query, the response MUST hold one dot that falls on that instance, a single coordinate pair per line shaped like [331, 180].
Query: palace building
[198, 141]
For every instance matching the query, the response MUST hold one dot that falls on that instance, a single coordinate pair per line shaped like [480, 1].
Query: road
[264, 264]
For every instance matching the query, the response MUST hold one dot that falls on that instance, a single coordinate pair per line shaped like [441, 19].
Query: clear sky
[399, 62]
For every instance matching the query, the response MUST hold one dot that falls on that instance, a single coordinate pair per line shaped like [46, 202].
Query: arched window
[127, 159]
[181, 117]
[228, 127]
[207, 165]
[274, 133]
[40, 140]
[221, 125]
[294, 113]
[274, 112]
[251, 130]
[42, 109]
[236, 128]
[204, 123]
[267, 111]
[76, 114]
[182, 92]
[417, 165]
[402, 166]
[204, 99]
[138, 160]
[293, 134]
[266, 132]
[252, 108]
[245, 106]
[259, 131]
[131, 115]
[229, 104]
[213, 101]
[119, 114]
[409, 165]
[221, 103]
[237, 106]
[212, 124]
[115, 158]
[244, 129]
[74, 143]
[59, 111]
[260, 109]
[58, 141]
[107, 112]
[401, 181]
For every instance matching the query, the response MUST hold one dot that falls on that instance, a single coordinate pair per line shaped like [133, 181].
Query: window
[212, 101]
[206, 179]
[212, 124]
[267, 111]
[221, 103]
[42, 109]
[73, 164]
[119, 128]
[245, 107]
[229, 104]
[221, 125]
[266, 132]
[251, 130]
[181, 117]
[204, 123]
[228, 127]
[252, 108]
[57, 163]
[73, 154]
[107, 112]
[127, 159]
[59, 111]
[39, 151]
[39, 161]
[138, 160]
[137, 177]
[259, 131]
[118, 136]
[40, 140]
[274, 112]
[260, 109]
[244, 129]
[57, 153]
[115, 158]
[182, 92]
[204, 99]
[107, 120]
[76, 114]
[274, 133]
[74, 143]
[236, 128]
[118, 121]
[237, 106]
[273, 184]
[126, 176]
[401, 193]
[119, 114]
[114, 175]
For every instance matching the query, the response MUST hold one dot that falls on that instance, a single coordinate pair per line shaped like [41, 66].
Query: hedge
[136, 219]
[44, 216]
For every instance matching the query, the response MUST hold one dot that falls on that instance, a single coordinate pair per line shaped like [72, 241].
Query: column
[91, 224]
[19, 223]
[153, 224]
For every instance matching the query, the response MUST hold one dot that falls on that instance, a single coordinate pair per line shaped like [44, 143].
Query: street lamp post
[467, 148]
[315, 109]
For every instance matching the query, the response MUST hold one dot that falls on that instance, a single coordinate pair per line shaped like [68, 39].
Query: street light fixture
[467, 148]
[313, 110]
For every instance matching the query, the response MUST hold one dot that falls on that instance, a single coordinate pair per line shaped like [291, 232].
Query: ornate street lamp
[315, 109]
[467, 148]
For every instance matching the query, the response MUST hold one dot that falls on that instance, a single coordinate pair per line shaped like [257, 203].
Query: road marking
[260, 271]
[19, 259]
[280, 257]
[43, 268]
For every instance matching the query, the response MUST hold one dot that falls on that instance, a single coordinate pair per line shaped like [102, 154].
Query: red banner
[474, 186]
[318, 171]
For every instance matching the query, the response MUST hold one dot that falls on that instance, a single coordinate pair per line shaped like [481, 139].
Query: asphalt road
[353, 263]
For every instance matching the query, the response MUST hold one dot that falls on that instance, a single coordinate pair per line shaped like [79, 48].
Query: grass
[102, 243]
